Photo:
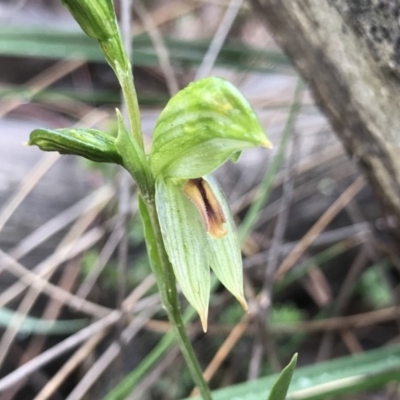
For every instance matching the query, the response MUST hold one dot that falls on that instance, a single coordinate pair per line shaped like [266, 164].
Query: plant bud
[95, 17]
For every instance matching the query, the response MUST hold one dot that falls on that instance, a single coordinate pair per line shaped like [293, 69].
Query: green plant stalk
[161, 265]
[128, 89]
[165, 278]
[122, 68]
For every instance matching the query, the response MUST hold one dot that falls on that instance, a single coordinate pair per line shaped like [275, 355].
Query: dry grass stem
[42, 81]
[27, 185]
[52, 312]
[61, 220]
[159, 46]
[80, 355]
[66, 246]
[235, 334]
[323, 325]
[109, 355]
[319, 226]
[35, 280]
[219, 39]
[167, 13]
[58, 350]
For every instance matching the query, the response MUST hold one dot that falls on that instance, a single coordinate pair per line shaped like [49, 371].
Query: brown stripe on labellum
[200, 193]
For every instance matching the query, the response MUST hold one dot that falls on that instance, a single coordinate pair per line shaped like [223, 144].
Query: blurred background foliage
[320, 255]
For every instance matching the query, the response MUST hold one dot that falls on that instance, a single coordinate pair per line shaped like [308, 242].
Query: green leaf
[225, 255]
[186, 244]
[92, 144]
[133, 158]
[281, 386]
[201, 127]
[345, 375]
[96, 18]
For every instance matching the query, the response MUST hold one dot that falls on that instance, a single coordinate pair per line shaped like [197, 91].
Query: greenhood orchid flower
[201, 127]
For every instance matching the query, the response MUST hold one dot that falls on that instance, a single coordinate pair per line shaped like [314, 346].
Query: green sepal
[92, 144]
[225, 255]
[95, 17]
[281, 386]
[134, 159]
[201, 127]
[186, 244]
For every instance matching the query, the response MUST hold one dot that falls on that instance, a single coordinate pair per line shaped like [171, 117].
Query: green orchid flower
[201, 127]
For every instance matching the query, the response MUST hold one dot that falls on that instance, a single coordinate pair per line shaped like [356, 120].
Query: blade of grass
[39, 326]
[318, 260]
[281, 386]
[108, 97]
[345, 375]
[34, 42]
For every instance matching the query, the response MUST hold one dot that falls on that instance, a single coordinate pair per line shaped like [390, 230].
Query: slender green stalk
[117, 57]
[166, 282]
[161, 265]
[128, 89]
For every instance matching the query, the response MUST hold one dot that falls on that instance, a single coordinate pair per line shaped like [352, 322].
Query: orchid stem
[166, 283]
[160, 263]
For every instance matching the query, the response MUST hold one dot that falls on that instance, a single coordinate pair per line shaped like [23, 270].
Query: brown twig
[42, 81]
[322, 325]
[159, 46]
[67, 368]
[319, 226]
[52, 311]
[235, 334]
[30, 278]
[219, 39]
[109, 355]
[65, 246]
[58, 350]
